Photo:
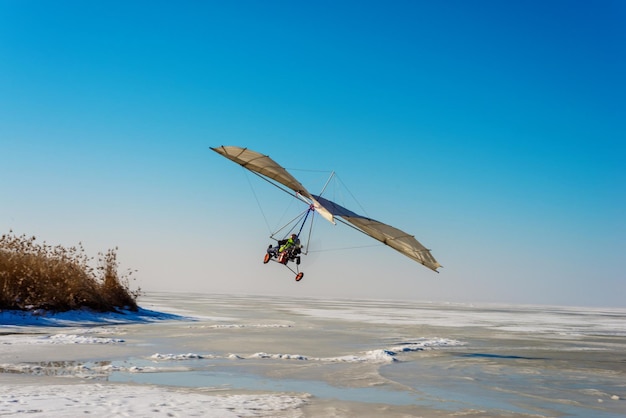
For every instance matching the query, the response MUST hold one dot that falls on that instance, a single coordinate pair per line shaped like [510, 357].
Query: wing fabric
[265, 166]
[393, 237]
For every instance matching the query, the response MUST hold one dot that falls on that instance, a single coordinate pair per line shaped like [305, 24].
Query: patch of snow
[374, 356]
[279, 356]
[426, 344]
[141, 401]
[188, 356]
[27, 339]
[79, 339]
[240, 326]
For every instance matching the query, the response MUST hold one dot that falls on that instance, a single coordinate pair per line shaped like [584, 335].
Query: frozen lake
[220, 355]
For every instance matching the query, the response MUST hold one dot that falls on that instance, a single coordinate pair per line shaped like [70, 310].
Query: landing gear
[283, 258]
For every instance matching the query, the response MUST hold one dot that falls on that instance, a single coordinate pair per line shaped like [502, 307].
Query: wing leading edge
[393, 237]
[265, 166]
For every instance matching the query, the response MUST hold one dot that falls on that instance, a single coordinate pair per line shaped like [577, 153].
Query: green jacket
[290, 243]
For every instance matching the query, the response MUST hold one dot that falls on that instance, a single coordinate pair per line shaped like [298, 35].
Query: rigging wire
[296, 195]
[283, 216]
[351, 195]
[332, 175]
[258, 202]
[346, 248]
[308, 242]
[293, 223]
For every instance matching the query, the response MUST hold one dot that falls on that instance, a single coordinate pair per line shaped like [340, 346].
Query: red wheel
[267, 258]
[299, 276]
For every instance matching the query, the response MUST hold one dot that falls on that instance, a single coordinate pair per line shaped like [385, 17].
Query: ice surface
[220, 355]
[524, 319]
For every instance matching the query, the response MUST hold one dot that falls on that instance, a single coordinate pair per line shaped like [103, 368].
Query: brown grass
[41, 276]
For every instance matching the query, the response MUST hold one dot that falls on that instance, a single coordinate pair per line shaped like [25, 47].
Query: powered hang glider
[289, 248]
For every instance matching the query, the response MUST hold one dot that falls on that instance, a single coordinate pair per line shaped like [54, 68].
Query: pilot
[292, 241]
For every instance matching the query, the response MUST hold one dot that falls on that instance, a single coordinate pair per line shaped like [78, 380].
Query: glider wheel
[299, 276]
[266, 259]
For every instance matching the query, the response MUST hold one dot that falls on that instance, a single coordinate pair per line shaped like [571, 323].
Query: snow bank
[73, 369]
[57, 339]
[371, 356]
[82, 317]
[279, 356]
[426, 344]
[241, 326]
[374, 356]
[188, 356]
[79, 339]
[109, 400]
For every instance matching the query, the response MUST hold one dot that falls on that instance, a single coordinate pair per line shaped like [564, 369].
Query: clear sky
[494, 131]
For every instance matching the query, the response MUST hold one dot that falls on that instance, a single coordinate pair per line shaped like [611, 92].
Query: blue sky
[493, 131]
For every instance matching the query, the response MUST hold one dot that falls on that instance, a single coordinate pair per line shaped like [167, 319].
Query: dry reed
[41, 276]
